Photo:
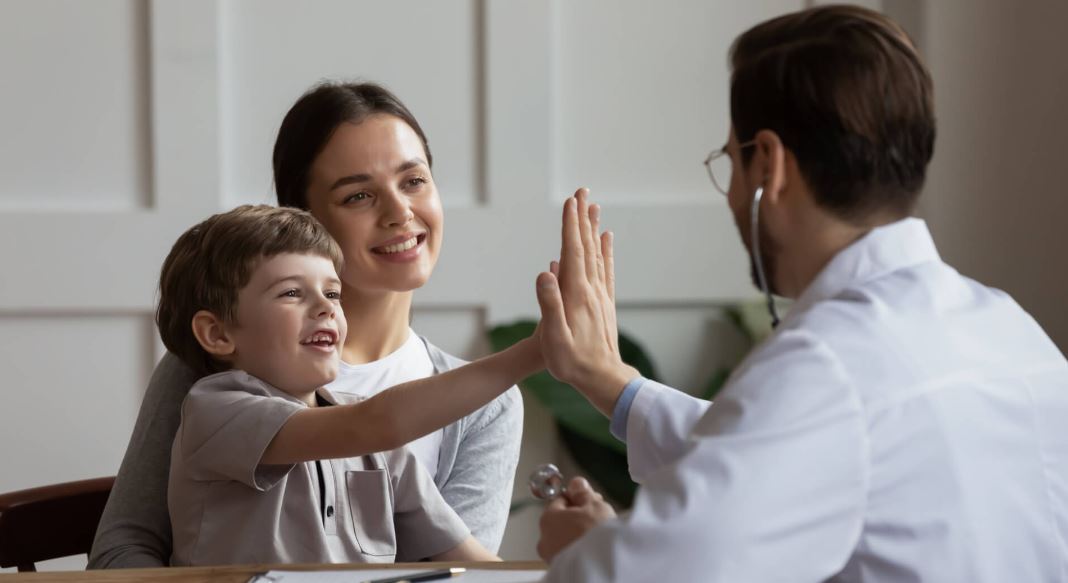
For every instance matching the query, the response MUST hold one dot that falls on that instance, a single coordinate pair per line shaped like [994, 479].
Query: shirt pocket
[371, 510]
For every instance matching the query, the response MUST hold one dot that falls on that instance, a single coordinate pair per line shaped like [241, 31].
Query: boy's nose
[325, 308]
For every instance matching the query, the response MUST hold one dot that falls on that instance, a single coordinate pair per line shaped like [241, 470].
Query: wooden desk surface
[232, 574]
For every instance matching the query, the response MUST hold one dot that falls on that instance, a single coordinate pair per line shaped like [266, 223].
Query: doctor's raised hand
[580, 346]
[578, 310]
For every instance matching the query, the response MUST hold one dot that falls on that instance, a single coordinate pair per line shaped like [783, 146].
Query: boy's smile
[323, 340]
[289, 324]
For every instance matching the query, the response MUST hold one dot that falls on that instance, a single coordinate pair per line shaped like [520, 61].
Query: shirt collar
[883, 250]
[246, 379]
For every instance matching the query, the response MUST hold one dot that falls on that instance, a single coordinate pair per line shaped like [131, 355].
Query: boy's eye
[333, 295]
[290, 293]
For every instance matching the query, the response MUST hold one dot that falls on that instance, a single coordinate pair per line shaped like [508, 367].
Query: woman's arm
[135, 529]
[478, 485]
[402, 413]
[469, 550]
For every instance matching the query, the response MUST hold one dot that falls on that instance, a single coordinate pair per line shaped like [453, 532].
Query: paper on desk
[359, 575]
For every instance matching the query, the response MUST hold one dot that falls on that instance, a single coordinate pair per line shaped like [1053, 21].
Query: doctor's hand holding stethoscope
[580, 345]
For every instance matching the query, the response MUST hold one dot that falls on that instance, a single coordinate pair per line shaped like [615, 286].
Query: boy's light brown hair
[214, 259]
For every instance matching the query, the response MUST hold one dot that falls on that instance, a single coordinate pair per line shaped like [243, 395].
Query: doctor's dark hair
[848, 94]
[212, 261]
[310, 123]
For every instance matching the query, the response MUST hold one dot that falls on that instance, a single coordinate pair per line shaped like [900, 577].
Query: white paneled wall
[643, 96]
[71, 391]
[427, 52]
[74, 124]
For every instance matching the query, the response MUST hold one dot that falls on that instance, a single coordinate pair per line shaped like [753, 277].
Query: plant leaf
[570, 409]
[715, 383]
[634, 354]
[606, 467]
[567, 406]
[583, 430]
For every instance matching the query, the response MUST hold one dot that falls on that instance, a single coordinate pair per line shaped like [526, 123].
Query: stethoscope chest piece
[546, 482]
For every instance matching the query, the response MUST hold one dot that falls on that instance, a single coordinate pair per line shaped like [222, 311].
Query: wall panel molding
[75, 121]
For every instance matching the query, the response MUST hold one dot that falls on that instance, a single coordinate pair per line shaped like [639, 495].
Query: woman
[356, 158]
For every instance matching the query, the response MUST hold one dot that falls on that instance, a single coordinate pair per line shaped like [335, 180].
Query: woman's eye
[356, 198]
[415, 182]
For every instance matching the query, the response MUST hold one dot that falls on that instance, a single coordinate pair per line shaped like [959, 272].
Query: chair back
[50, 522]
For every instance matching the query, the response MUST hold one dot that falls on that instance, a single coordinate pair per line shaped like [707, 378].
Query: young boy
[267, 465]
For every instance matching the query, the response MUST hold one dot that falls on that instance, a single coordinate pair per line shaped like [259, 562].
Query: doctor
[902, 423]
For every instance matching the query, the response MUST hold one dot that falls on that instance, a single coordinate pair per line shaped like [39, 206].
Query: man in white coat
[902, 422]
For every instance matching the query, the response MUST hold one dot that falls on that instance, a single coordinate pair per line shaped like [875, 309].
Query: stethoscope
[546, 482]
[754, 234]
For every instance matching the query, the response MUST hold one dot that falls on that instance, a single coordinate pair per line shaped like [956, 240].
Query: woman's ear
[211, 333]
[771, 155]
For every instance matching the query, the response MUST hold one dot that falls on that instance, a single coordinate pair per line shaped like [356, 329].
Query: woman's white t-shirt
[409, 362]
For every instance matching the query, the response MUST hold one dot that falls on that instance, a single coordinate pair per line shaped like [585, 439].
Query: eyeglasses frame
[715, 155]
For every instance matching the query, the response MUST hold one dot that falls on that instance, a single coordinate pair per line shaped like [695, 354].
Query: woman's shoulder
[171, 378]
[505, 411]
[441, 360]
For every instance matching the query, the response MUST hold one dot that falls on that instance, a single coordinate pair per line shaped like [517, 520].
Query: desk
[233, 574]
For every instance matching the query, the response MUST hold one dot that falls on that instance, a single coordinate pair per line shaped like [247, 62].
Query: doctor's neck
[807, 237]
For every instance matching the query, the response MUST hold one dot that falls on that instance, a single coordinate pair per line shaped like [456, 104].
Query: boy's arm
[403, 413]
[135, 529]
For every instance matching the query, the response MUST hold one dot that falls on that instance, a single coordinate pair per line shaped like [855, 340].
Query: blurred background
[123, 122]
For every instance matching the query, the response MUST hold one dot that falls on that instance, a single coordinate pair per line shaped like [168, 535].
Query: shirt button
[329, 511]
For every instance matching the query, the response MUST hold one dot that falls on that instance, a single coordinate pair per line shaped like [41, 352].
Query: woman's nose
[397, 210]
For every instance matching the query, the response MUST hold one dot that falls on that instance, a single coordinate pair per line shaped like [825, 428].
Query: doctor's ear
[211, 332]
[772, 155]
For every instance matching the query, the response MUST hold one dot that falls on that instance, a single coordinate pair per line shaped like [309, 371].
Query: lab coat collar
[884, 249]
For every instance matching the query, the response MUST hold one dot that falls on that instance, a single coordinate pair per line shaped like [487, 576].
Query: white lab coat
[903, 423]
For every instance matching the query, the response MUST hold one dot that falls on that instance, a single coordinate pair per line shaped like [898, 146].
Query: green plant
[582, 429]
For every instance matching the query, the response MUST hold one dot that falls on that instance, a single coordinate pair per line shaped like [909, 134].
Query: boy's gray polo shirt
[226, 508]
[476, 468]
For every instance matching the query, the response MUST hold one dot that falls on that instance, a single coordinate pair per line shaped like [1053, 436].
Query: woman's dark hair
[311, 121]
[847, 93]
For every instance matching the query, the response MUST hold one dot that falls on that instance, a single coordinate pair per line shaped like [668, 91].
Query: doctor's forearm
[602, 388]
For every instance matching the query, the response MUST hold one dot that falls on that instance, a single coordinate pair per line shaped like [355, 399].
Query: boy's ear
[211, 333]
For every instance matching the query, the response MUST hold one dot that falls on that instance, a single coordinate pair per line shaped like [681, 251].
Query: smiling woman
[373, 190]
[356, 158]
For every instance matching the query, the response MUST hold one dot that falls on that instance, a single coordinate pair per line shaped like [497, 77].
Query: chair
[49, 522]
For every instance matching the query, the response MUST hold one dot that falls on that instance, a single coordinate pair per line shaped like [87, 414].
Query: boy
[267, 465]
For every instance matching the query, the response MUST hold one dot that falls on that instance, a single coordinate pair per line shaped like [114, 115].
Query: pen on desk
[419, 577]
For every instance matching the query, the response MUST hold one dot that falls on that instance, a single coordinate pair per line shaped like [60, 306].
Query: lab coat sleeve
[658, 424]
[770, 486]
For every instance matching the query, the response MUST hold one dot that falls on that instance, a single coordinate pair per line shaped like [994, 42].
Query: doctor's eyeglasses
[719, 165]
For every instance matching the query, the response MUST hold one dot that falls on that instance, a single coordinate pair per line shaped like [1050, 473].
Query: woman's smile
[403, 248]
